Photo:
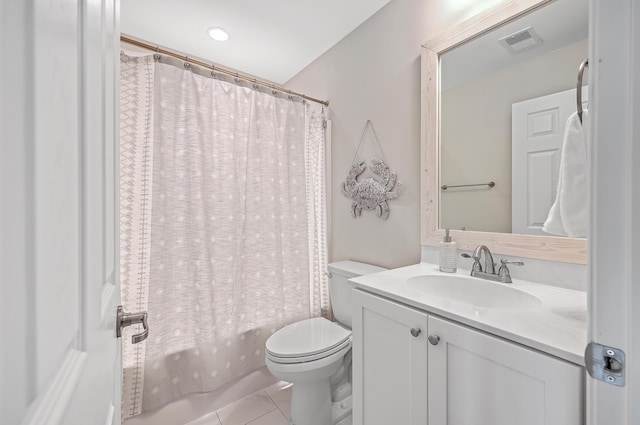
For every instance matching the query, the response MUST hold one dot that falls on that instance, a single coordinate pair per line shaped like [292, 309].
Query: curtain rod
[178, 55]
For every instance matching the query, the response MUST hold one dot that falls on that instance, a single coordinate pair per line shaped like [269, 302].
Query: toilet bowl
[308, 354]
[311, 354]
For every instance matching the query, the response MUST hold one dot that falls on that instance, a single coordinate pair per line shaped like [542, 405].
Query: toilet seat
[304, 359]
[306, 341]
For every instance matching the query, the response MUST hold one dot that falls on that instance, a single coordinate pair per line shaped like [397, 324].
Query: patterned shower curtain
[223, 225]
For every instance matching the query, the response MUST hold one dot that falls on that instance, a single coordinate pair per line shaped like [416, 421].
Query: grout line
[276, 407]
[272, 400]
[264, 414]
[287, 417]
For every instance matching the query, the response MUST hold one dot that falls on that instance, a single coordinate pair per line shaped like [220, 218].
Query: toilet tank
[340, 287]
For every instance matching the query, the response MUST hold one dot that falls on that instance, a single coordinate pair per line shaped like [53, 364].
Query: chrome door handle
[434, 339]
[127, 319]
[415, 332]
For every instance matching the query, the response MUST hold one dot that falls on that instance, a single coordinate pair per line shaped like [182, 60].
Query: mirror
[479, 97]
[514, 89]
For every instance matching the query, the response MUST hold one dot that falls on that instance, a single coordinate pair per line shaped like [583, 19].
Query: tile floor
[271, 406]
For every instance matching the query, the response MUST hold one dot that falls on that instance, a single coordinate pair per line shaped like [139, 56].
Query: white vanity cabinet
[389, 362]
[476, 378]
[461, 376]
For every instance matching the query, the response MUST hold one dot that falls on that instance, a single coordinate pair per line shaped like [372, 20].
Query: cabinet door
[389, 362]
[478, 379]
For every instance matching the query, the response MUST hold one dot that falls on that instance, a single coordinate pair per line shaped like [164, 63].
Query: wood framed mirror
[553, 248]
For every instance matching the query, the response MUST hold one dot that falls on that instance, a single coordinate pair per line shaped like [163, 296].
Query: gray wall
[374, 73]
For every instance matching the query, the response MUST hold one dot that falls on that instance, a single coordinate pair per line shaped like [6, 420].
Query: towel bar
[445, 186]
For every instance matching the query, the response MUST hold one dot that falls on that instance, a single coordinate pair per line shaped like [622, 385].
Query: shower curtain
[222, 225]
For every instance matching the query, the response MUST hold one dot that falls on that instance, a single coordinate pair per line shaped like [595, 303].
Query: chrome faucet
[489, 270]
[489, 265]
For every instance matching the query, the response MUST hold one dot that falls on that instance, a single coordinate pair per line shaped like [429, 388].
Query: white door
[389, 362]
[614, 239]
[58, 209]
[537, 130]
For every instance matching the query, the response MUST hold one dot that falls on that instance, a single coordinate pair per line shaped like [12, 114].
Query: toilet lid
[307, 338]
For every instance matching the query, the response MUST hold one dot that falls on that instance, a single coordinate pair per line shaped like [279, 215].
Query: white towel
[568, 214]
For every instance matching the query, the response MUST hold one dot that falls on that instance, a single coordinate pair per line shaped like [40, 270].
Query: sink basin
[475, 292]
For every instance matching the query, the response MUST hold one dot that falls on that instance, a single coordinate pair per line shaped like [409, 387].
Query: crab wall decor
[371, 193]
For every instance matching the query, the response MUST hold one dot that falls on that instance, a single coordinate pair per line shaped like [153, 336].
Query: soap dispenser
[448, 254]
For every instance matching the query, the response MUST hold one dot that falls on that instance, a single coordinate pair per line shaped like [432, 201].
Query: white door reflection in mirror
[538, 127]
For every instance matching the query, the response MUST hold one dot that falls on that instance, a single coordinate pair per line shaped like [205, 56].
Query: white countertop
[558, 327]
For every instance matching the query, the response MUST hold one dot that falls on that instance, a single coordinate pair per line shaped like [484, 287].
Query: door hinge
[605, 364]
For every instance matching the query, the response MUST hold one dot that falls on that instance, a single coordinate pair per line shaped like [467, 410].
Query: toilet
[315, 354]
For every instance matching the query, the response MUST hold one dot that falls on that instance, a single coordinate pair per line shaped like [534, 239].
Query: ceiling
[269, 39]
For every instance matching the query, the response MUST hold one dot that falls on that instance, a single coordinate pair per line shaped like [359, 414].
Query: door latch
[605, 363]
[127, 319]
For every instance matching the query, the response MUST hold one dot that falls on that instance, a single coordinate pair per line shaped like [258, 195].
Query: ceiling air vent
[521, 40]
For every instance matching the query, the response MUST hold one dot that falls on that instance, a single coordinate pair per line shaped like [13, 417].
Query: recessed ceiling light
[218, 34]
